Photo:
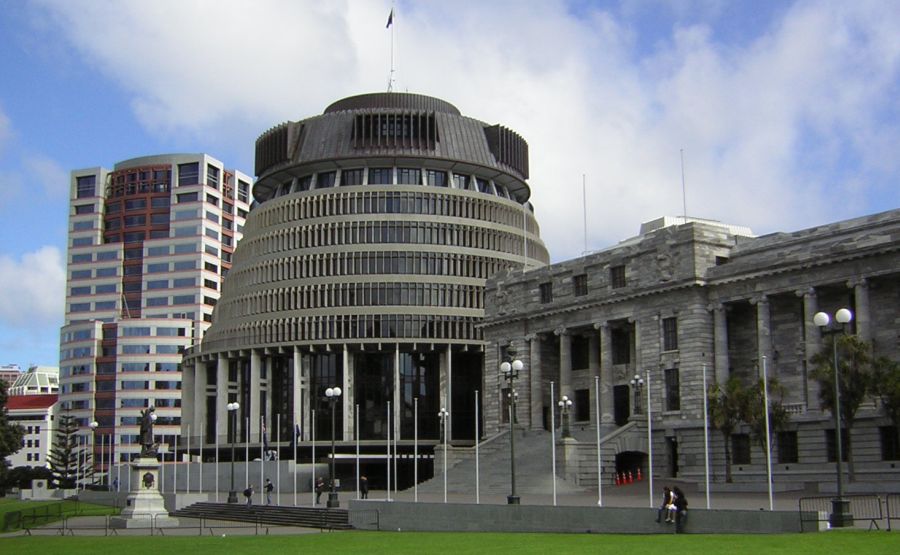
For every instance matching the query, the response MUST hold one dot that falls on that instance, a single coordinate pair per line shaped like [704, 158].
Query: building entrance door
[621, 404]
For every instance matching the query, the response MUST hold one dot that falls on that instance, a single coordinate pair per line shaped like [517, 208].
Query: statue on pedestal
[148, 446]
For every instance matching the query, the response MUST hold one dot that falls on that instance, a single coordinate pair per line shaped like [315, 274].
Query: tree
[10, 435]
[753, 411]
[66, 459]
[725, 412]
[886, 384]
[857, 378]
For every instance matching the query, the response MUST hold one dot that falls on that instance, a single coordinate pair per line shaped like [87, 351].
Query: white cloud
[49, 174]
[773, 127]
[5, 129]
[33, 291]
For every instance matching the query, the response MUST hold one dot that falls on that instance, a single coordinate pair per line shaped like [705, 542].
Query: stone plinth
[144, 505]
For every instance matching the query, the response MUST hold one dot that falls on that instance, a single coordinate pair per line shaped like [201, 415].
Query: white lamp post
[637, 385]
[509, 370]
[232, 409]
[443, 414]
[840, 507]
[564, 405]
[332, 394]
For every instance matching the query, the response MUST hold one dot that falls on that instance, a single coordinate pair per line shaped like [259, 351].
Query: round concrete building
[363, 266]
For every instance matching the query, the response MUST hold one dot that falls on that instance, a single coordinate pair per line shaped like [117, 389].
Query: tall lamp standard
[232, 409]
[444, 414]
[637, 385]
[509, 369]
[565, 404]
[332, 394]
[840, 507]
[93, 426]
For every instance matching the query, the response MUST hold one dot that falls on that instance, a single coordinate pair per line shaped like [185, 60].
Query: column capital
[861, 282]
[759, 300]
[561, 331]
[533, 337]
[602, 326]
[808, 292]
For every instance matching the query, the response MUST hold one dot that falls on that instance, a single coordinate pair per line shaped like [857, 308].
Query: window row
[387, 202]
[343, 327]
[337, 295]
[369, 263]
[787, 447]
[392, 176]
[389, 232]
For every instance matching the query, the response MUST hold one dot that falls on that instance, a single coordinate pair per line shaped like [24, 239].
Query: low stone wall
[451, 517]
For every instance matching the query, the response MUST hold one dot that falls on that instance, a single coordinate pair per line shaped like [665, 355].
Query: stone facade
[689, 296]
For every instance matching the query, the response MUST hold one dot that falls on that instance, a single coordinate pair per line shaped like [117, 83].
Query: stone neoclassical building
[684, 295]
[363, 264]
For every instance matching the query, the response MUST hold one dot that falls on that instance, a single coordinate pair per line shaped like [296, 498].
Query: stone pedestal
[144, 505]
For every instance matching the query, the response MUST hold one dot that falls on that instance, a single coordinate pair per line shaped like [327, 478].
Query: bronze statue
[148, 446]
[148, 481]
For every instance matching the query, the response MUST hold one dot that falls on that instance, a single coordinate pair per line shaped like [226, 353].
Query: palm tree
[726, 407]
[857, 379]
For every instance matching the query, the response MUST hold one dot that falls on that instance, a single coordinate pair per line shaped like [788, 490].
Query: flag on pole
[390, 19]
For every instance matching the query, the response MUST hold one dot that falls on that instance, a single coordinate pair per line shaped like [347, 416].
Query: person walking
[363, 487]
[320, 488]
[248, 493]
[269, 488]
[667, 500]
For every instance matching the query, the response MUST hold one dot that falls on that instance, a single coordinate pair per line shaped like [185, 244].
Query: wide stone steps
[306, 517]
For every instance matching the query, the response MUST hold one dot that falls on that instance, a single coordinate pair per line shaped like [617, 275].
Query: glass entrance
[374, 382]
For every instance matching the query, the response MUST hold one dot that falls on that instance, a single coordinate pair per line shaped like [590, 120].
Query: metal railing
[892, 506]
[862, 508]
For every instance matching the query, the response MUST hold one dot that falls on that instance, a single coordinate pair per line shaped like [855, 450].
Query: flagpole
[477, 477]
[768, 435]
[388, 459]
[599, 459]
[706, 435]
[278, 459]
[201, 457]
[416, 449]
[247, 450]
[649, 442]
[313, 489]
[262, 454]
[553, 437]
[217, 461]
[187, 487]
[356, 433]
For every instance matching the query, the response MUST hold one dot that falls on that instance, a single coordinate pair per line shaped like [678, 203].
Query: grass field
[844, 541]
[42, 512]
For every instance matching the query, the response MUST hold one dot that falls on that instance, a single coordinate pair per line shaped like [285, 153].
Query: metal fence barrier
[892, 506]
[862, 508]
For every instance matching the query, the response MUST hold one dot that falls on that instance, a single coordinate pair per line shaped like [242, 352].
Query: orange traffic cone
[630, 478]
[639, 474]
[617, 479]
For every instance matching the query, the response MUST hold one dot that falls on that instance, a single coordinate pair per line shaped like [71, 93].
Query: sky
[785, 114]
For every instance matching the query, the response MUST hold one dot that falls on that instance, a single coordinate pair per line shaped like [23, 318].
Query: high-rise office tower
[149, 244]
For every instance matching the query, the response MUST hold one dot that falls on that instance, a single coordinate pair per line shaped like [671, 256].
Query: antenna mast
[683, 191]
[390, 24]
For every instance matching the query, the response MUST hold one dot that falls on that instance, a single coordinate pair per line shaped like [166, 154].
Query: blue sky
[787, 112]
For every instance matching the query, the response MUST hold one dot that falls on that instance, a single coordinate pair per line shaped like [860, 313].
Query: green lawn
[843, 541]
[42, 512]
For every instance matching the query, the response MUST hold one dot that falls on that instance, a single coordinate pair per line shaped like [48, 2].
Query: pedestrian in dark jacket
[681, 505]
[363, 487]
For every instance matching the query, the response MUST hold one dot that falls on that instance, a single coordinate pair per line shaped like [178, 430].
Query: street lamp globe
[232, 408]
[843, 316]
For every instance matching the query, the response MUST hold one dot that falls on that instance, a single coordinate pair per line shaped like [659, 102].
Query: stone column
[395, 409]
[862, 315]
[606, 374]
[594, 369]
[299, 386]
[254, 408]
[199, 416]
[188, 394]
[764, 335]
[720, 341]
[536, 393]
[346, 423]
[222, 398]
[812, 338]
[565, 362]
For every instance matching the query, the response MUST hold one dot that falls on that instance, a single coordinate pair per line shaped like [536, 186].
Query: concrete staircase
[305, 517]
[533, 467]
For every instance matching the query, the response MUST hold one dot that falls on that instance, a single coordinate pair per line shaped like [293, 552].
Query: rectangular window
[579, 284]
[212, 176]
[621, 346]
[183, 299]
[86, 186]
[831, 447]
[617, 276]
[185, 248]
[890, 443]
[187, 197]
[105, 288]
[380, 176]
[189, 174]
[156, 251]
[787, 447]
[546, 291]
[183, 265]
[670, 334]
[159, 202]
[111, 272]
[136, 204]
[84, 209]
[436, 178]
[581, 347]
[673, 389]
[157, 301]
[107, 255]
[212, 199]
[157, 268]
[78, 291]
[81, 258]
[461, 181]
[133, 237]
[81, 274]
[352, 177]
[168, 349]
[740, 449]
[183, 282]
[582, 405]
[82, 241]
[409, 176]
[158, 284]
[325, 180]
[159, 219]
[243, 191]
[212, 216]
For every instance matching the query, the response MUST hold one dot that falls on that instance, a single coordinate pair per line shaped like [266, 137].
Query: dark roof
[31, 401]
[401, 101]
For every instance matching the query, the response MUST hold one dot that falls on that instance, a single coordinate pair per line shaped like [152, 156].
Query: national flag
[390, 19]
